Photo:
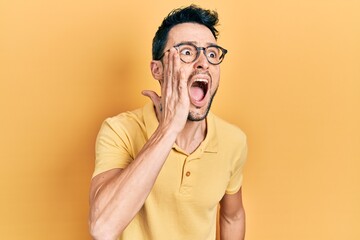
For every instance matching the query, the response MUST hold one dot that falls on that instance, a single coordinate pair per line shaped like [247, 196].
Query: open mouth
[199, 89]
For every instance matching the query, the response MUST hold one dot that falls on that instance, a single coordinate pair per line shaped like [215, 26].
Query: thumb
[152, 95]
[155, 99]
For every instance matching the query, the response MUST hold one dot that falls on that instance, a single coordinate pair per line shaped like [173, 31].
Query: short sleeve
[236, 178]
[112, 147]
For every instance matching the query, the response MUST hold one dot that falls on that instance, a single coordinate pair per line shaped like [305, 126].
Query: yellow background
[291, 81]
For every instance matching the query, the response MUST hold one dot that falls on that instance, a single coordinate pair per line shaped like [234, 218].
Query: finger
[165, 74]
[170, 71]
[155, 98]
[183, 81]
[156, 101]
[176, 71]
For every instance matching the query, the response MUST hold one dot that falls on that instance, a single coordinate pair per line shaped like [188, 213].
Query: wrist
[167, 132]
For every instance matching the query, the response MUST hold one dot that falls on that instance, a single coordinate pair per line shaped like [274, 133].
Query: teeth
[201, 80]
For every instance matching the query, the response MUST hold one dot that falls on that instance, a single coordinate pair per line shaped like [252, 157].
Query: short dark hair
[190, 14]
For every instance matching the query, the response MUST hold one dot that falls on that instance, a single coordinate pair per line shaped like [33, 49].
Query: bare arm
[232, 217]
[117, 195]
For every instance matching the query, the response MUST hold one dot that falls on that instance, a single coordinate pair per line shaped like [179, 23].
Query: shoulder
[125, 121]
[228, 132]
[232, 143]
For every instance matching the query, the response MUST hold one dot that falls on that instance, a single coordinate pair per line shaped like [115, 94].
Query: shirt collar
[210, 143]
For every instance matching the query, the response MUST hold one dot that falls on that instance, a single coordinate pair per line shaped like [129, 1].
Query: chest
[201, 180]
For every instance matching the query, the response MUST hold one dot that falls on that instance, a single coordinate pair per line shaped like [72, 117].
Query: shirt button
[188, 174]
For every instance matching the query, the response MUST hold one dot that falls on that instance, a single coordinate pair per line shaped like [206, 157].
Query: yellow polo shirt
[183, 202]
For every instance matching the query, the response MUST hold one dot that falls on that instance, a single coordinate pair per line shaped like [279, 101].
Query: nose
[201, 62]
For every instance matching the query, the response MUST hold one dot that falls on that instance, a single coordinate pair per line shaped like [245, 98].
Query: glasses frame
[198, 51]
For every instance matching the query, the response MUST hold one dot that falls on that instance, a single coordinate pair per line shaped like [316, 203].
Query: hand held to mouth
[172, 108]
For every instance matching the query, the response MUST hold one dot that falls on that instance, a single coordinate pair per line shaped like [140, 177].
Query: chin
[199, 114]
[194, 117]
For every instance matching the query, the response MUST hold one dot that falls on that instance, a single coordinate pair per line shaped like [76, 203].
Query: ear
[157, 70]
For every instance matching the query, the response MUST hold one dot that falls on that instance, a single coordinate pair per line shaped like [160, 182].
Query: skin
[114, 200]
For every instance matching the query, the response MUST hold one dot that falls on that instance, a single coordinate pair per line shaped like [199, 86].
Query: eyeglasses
[189, 52]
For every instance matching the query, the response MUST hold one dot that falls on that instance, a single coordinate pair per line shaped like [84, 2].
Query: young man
[161, 171]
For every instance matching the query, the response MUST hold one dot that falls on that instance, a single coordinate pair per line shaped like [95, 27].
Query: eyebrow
[208, 44]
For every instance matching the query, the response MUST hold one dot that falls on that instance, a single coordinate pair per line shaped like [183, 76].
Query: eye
[186, 52]
[212, 54]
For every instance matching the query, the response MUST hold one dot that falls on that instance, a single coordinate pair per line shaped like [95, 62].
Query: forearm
[232, 227]
[116, 203]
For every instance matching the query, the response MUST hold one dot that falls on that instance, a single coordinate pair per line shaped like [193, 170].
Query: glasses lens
[214, 54]
[188, 53]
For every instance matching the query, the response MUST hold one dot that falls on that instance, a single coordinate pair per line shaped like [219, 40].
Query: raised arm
[116, 196]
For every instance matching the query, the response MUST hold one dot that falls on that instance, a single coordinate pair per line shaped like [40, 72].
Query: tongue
[196, 93]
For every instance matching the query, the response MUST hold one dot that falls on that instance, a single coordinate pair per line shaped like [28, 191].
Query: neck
[191, 136]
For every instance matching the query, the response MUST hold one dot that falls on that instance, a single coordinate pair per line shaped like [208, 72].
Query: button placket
[187, 176]
[187, 170]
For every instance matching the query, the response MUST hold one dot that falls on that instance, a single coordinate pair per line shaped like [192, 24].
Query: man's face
[203, 77]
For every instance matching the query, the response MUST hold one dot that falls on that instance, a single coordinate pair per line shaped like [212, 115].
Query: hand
[172, 108]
